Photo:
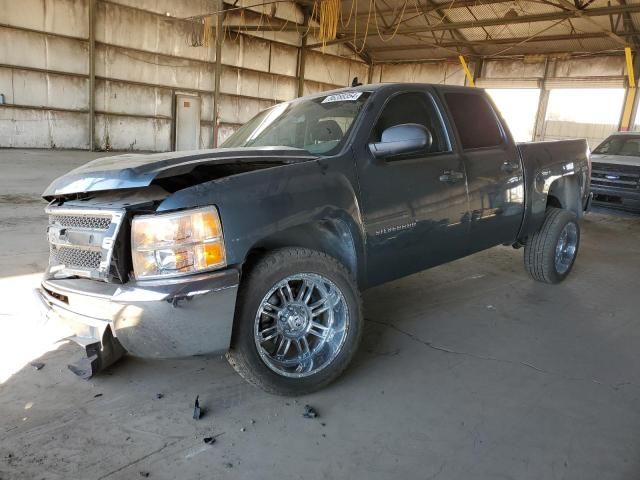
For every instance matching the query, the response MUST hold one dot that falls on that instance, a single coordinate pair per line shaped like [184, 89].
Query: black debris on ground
[37, 365]
[145, 474]
[197, 412]
[159, 395]
[97, 395]
[209, 440]
[309, 412]
[228, 464]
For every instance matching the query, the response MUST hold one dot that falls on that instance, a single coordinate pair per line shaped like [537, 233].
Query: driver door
[415, 205]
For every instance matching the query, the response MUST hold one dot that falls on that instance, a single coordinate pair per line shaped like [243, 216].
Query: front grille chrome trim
[76, 235]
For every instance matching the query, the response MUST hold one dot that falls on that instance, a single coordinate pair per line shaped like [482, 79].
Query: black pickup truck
[260, 249]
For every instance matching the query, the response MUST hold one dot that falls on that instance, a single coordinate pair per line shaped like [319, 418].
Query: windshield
[317, 125]
[620, 145]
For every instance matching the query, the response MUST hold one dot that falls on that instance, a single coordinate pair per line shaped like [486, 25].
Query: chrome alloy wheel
[301, 325]
[566, 247]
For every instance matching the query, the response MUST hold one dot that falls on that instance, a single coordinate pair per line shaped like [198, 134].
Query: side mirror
[399, 139]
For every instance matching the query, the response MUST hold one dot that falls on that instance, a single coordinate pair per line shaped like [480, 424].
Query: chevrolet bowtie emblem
[57, 234]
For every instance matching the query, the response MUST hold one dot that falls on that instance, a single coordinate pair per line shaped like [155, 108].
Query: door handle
[451, 176]
[508, 167]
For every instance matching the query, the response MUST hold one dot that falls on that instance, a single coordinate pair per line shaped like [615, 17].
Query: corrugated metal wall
[143, 57]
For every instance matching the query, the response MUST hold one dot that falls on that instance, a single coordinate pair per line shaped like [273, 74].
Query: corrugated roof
[405, 30]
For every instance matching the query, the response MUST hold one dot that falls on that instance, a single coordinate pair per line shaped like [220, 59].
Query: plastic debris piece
[197, 413]
[97, 395]
[37, 365]
[228, 464]
[242, 429]
[309, 412]
[159, 395]
[209, 440]
[145, 474]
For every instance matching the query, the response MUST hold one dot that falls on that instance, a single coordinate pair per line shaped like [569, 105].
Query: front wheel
[550, 253]
[298, 322]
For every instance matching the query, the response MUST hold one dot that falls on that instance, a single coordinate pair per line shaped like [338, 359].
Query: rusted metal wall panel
[32, 49]
[449, 73]
[127, 133]
[118, 97]
[23, 128]
[333, 70]
[40, 89]
[253, 84]
[138, 29]
[64, 17]
[115, 63]
[514, 69]
[591, 67]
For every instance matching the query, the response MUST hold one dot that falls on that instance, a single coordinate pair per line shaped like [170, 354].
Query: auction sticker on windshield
[343, 97]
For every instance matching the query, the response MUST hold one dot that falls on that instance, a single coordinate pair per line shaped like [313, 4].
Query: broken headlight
[179, 243]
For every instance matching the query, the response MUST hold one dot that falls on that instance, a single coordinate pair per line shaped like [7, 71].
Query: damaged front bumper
[154, 319]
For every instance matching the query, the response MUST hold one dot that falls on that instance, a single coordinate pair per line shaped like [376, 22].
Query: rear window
[475, 120]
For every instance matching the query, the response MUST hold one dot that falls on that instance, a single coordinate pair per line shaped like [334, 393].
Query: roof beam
[445, 20]
[580, 13]
[446, 6]
[493, 41]
[552, 16]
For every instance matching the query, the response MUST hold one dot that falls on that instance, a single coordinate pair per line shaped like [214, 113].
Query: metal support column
[477, 70]
[302, 55]
[467, 73]
[218, 70]
[630, 100]
[370, 74]
[543, 102]
[92, 74]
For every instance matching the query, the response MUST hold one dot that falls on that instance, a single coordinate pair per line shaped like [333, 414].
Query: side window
[413, 108]
[475, 120]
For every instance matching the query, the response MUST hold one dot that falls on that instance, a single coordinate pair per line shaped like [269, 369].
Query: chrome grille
[81, 241]
[617, 176]
[76, 257]
[81, 221]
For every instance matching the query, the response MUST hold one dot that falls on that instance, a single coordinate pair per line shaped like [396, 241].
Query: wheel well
[565, 193]
[332, 237]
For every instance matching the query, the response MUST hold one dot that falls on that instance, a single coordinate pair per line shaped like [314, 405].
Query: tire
[540, 252]
[287, 319]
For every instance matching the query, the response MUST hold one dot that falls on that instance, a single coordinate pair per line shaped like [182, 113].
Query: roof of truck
[390, 86]
[378, 86]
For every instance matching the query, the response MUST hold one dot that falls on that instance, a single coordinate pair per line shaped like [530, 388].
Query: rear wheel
[298, 322]
[550, 253]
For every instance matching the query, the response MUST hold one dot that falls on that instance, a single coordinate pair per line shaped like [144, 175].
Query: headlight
[177, 243]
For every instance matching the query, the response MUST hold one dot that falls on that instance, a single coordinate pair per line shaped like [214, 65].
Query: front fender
[259, 204]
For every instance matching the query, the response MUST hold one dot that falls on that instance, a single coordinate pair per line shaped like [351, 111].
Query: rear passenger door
[494, 169]
[414, 205]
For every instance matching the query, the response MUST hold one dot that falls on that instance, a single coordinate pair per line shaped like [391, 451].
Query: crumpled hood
[616, 160]
[134, 170]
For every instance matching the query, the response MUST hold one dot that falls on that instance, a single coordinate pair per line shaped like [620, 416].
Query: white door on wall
[187, 122]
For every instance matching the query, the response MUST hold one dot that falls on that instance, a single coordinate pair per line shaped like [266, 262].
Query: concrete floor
[467, 371]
